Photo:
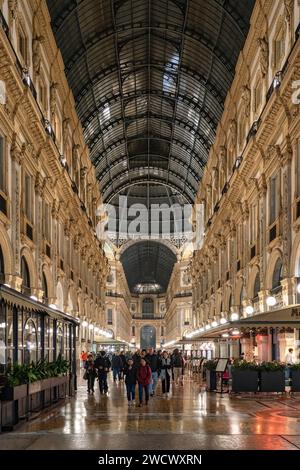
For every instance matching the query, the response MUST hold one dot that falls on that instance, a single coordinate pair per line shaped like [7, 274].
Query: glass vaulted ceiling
[149, 79]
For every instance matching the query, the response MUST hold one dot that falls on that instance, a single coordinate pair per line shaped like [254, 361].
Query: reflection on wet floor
[190, 418]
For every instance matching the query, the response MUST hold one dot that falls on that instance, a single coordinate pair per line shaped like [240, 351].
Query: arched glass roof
[148, 263]
[149, 79]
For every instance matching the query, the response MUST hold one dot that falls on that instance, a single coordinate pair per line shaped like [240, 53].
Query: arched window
[25, 276]
[2, 269]
[30, 342]
[148, 306]
[45, 288]
[256, 286]
[242, 294]
[277, 274]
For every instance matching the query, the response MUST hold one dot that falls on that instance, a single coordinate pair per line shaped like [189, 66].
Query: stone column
[16, 160]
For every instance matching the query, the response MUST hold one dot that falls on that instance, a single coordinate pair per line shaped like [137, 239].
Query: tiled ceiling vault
[149, 79]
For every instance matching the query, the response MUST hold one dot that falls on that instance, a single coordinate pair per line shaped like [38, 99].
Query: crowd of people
[143, 369]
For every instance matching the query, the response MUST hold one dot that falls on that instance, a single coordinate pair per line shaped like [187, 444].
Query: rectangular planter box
[295, 375]
[35, 387]
[56, 381]
[46, 383]
[14, 393]
[244, 380]
[272, 381]
[211, 380]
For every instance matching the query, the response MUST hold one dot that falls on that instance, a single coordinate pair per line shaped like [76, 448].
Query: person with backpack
[144, 377]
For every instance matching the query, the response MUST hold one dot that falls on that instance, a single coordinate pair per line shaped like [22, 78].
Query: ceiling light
[214, 324]
[84, 324]
[234, 316]
[249, 309]
[271, 301]
[298, 288]
[225, 335]
[91, 326]
[33, 297]
[223, 321]
[207, 327]
[235, 332]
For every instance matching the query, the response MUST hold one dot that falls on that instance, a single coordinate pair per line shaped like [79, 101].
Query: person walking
[165, 373]
[154, 363]
[90, 373]
[116, 366]
[177, 366]
[83, 357]
[137, 357]
[144, 376]
[103, 364]
[130, 374]
[123, 364]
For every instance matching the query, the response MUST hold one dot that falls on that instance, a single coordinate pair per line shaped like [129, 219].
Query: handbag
[85, 376]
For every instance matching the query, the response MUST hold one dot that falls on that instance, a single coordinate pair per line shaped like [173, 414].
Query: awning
[287, 316]
[15, 298]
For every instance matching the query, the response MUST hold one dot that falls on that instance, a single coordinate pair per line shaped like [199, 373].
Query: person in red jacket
[144, 377]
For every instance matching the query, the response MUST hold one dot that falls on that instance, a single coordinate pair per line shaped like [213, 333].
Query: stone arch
[60, 296]
[28, 256]
[238, 289]
[49, 279]
[270, 268]
[295, 257]
[72, 300]
[6, 251]
[251, 280]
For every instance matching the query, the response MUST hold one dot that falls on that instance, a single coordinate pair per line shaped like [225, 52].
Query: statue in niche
[13, 8]
[222, 166]
[232, 134]
[53, 100]
[246, 98]
[288, 8]
[263, 55]
[36, 53]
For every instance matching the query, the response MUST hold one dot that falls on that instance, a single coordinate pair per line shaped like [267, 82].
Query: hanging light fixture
[271, 301]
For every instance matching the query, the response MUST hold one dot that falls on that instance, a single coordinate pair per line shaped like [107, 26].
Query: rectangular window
[273, 204]
[278, 50]
[109, 316]
[298, 170]
[23, 46]
[2, 165]
[253, 223]
[46, 222]
[28, 198]
[257, 96]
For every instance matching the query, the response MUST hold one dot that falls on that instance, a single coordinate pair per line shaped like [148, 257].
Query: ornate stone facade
[251, 247]
[46, 218]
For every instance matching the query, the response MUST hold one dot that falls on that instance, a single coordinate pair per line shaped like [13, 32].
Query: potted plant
[16, 383]
[295, 376]
[272, 377]
[244, 376]
[211, 376]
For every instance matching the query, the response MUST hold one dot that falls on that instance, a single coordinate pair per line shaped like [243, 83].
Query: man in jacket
[117, 365]
[154, 363]
[102, 364]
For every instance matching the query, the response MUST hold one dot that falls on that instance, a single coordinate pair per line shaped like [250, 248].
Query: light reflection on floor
[189, 419]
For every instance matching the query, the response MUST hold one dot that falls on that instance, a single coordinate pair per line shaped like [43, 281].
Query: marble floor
[190, 419]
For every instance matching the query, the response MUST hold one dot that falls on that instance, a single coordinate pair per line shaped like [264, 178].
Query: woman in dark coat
[90, 373]
[130, 374]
